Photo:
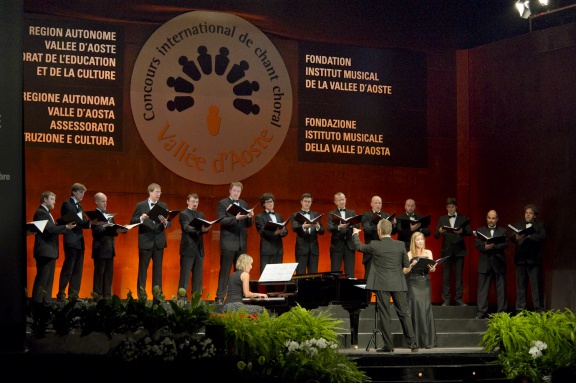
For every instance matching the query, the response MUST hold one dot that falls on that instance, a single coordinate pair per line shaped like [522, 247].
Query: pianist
[239, 288]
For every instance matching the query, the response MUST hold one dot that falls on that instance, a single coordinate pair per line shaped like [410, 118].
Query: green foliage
[113, 316]
[514, 337]
[298, 345]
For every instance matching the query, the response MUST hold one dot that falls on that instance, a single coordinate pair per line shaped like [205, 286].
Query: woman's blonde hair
[243, 261]
[413, 243]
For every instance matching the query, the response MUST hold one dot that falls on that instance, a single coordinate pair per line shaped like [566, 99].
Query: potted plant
[532, 344]
[297, 346]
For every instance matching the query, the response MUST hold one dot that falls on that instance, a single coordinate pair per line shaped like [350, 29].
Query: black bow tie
[271, 212]
[234, 201]
[304, 212]
[342, 209]
[153, 204]
[451, 216]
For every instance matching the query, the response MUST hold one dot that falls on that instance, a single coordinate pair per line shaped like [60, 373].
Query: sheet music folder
[278, 272]
[158, 210]
[405, 223]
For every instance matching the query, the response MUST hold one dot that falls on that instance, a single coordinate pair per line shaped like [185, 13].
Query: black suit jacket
[307, 242]
[341, 238]
[150, 233]
[370, 228]
[452, 243]
[191, 242]
[46, 243]
[74, 237]
[269, 243]
[233, 234]
[389, 257]
[103, 240]
[493, 259]
[405, 235]
[529, 249]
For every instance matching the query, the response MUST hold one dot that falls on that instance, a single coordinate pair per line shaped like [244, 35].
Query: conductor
[386, 278]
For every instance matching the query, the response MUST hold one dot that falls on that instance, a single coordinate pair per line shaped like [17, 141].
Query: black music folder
[158, 210]
[36, 226]
[527, 231]
[273, 226]
[98, 215]
[117, 226]
[423, 263]
[451, 229]
[376, 218]
[494, 240]
[197, 223]
[71, 216]
[405, 223]
[235, 209]
[351, 220]
[299, 217]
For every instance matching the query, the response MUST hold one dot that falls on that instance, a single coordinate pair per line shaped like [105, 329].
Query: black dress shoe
[414, 347]
[480, 316]
[385, 349]
[460, 303]
[446, 303]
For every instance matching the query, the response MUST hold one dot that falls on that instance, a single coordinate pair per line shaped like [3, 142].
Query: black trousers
[155, 255]
[456, 263]
[532, 274]
[349, 258]
[44, 279]
[191, 265]
[71, 273]
[385, 313]
[103, 274]
[484, 281]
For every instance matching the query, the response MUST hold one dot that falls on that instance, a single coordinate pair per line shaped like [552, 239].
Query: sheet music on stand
[278, 272]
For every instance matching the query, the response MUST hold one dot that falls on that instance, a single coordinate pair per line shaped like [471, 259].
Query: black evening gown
[421, 308]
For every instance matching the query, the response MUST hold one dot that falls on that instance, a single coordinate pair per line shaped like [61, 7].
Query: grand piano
[313, 290]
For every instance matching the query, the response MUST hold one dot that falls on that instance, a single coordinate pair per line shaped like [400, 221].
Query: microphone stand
[376, 331]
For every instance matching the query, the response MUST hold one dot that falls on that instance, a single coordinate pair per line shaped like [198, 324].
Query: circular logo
[211, 97]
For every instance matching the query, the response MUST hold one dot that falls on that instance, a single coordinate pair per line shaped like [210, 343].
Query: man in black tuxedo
[191, 246]
[46, 248]
[271, 245]
[233, 236]
[453, 228]
[370, 221]
[528, 259]
[491, 264]
[103, 250]
[341, 243]
[405, 233]
[387, 278]
[307, 250]
[151, 239]
[71, 273]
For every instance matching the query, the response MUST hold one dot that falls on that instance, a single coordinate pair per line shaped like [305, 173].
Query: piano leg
[354, 324]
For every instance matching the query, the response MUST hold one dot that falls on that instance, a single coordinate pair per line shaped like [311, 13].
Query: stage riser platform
[455, 326]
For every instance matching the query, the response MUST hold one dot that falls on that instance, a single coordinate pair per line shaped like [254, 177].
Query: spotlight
[523, 7]
[543, 3]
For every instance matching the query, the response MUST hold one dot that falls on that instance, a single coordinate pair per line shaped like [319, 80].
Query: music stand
[376, 331]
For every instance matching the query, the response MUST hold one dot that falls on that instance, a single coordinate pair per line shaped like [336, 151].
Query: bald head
[376, 203]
